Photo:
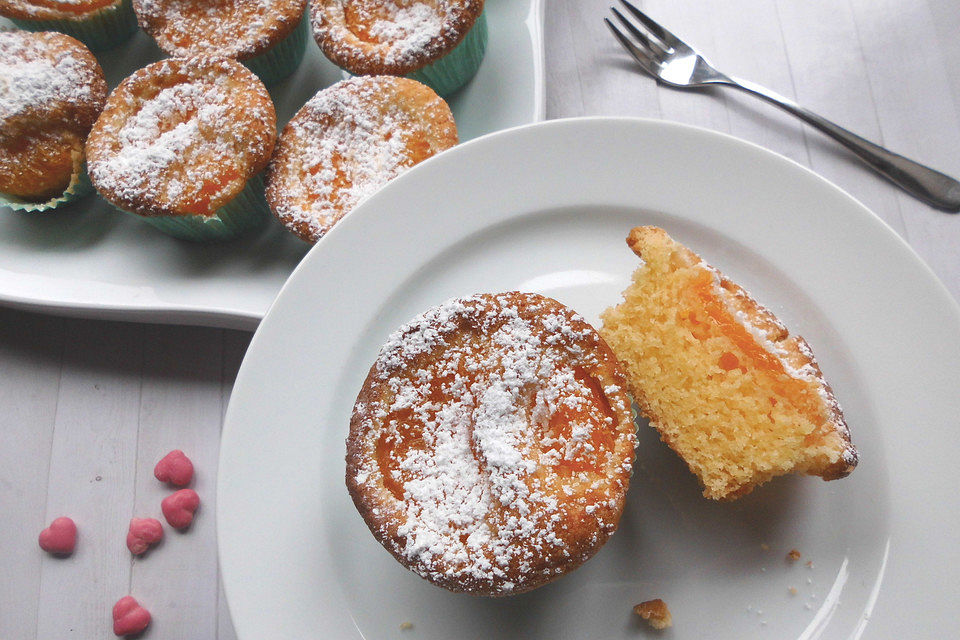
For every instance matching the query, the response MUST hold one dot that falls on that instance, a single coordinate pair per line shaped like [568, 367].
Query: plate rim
[941, 292]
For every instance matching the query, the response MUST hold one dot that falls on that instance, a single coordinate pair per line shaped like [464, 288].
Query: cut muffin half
[723, 381]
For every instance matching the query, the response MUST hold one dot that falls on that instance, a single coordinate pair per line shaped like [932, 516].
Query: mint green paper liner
[248, 211]
[283, 58]
[455, 69]
[79, 186]
[104, 29]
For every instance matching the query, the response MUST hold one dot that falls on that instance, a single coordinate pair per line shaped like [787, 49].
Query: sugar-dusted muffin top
[51, 91]
[728, 387]
[181, 137]
[238, 29]
[393, 37]
[347, 142]
[52, 9]
[491, 445]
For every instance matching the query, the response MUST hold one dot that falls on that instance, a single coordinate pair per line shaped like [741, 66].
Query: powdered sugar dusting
[35, 75]
[53, 9]
[347, 142]
[409, 29]
[396, 36]
[148, 148]
[231, 28]
[186, 142]
[510, 443]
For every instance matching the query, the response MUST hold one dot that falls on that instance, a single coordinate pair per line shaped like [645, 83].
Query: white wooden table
[87, 407]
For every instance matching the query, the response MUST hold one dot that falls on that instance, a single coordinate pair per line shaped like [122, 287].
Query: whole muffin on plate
[51, 91]
[268, 36]
[180, 145]
[491, 445]
[348, 141]
[99, 24]
[440, 43]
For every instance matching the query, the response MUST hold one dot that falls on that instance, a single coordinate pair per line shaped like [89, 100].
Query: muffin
[268, 36]
[347, 142]
[99, 24]
[491, 445]
[51, 92]
[440, 43]
[727, 386]
[180, 144]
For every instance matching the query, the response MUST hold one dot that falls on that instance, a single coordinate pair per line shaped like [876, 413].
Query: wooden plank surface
[88, 407]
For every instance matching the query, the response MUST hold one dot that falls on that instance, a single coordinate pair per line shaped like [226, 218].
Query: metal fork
[677, 64]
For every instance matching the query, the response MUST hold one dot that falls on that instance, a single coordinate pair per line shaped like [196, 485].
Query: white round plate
[546, 208]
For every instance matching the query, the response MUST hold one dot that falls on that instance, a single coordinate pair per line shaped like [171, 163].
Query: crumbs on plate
[655, 612]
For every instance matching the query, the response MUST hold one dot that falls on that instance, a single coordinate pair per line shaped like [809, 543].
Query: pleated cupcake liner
[79, 187]
[246, 212]
[455, 69]
[103, 29]
[283, 58]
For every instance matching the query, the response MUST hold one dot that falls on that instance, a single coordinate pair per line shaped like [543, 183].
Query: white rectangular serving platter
[88, 260]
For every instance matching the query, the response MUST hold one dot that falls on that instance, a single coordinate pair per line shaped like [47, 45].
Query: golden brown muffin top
[181, 137]
[348, 141]
[391, 37]
[51, 91]
[48, 79]
[52, 9]
[238, 29]
[491, 445]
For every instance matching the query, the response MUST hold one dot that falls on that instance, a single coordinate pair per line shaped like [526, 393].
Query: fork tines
[647, 48]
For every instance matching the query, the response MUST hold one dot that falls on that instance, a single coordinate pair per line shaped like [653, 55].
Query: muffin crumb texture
[727, 386]
[655, 613]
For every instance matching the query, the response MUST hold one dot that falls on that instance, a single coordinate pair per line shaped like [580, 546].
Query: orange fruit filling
[756, 357]
[560, 429]
[211, 191]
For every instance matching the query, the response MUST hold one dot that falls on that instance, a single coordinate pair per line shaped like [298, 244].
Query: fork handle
[934, 188]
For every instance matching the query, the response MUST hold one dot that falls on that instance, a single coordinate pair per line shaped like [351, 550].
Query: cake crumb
[406, 626]
[793, 591]
[809, 564]
[794, 555]
[765, 546]
[655, 612]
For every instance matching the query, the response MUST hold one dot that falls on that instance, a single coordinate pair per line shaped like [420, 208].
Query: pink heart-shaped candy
[142, 534]
[60, 537]
[179, 506]
[129, 617]
[174, 468]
